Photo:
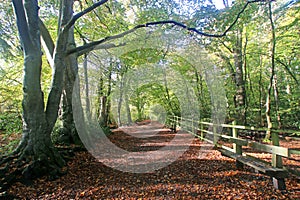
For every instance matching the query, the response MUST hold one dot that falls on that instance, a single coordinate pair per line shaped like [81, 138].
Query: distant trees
[254, 88]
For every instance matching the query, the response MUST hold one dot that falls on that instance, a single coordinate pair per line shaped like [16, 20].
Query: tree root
[26, 167]
[6, 159]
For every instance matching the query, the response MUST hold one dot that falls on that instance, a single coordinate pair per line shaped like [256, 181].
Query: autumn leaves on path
[199, 173]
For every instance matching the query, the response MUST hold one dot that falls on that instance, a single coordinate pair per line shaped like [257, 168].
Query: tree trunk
[139, 104]
[36, 154]
[108, 103]
[121, 86]
[36, 140]
[99, 99]
[37, 125]
[86, 82]
[199, 93]
[102, 118]
[276, 98]
[268, 101]
[261, 91]
[239, 79]
[105, 104]
[246, 97]
[68, 132]
[128, 111]
[171, 108]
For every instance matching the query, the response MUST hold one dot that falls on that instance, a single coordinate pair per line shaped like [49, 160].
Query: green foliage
[142, 56]
[56, 132]
[10, 122]
[10, 146]
[107, 20]
[268, 141]
[106, 130]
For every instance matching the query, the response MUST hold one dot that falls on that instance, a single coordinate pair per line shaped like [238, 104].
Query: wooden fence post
[277, 162]
[237, 148]
[175, 121]
[201, 129]
[276, 159]
[174, 124]
[215, 134]
[193, 126]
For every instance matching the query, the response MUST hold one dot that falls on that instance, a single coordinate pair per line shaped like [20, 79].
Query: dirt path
[200, 173]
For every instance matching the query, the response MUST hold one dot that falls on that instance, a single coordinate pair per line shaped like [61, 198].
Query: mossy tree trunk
[35, 150]
[36, 155]
[68, 132]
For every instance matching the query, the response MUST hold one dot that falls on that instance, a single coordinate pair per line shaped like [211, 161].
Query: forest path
[200, 173]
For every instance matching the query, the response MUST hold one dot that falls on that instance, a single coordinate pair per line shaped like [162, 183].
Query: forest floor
[200, 173]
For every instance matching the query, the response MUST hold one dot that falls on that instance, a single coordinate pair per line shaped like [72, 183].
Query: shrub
[10, 122]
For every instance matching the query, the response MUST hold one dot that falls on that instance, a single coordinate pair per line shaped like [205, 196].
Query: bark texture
[35, 154]
[68, 132]
[239, 80]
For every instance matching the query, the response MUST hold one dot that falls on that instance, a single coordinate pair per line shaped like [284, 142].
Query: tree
[36, 152]
[68, 133]
[272, 76]
[232, 52]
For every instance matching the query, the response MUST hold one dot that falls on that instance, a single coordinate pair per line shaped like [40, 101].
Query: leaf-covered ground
[200, 173]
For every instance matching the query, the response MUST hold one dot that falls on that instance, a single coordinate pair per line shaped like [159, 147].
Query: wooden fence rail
[276, 170]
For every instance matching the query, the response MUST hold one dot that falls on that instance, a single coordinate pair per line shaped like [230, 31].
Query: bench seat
[257, 165]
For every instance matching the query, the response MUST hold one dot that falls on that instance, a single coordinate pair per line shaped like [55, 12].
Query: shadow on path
[200, 173]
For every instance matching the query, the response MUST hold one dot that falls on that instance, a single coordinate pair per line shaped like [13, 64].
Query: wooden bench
[212, 135]
[278, 174]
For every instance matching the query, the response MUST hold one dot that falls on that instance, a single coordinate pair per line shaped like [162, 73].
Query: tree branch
[80, 14]
[91, 46]
[227, 47]
[47, 42]
[22, 25]
[286, 67]
[31, 11]
[240, 13]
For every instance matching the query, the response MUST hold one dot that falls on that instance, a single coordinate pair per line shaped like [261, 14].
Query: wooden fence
[212, 133]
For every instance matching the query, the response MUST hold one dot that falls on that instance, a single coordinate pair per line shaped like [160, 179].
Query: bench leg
[279, 183]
